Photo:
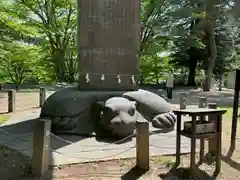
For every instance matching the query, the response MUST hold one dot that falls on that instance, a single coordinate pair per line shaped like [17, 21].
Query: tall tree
[204, 31]
[155, 23]
[55, 20]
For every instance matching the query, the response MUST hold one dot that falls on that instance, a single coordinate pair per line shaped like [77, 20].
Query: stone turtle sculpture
[71, 110]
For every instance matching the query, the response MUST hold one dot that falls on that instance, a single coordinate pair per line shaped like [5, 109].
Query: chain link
[14, 140]
[116, 142]
[104, 157]
[14, 148]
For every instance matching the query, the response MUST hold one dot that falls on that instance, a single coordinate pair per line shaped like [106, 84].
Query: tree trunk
[191, 76]
[58, 59]
[210, 23]
[212, 49]
[205, 31]
[193, 59]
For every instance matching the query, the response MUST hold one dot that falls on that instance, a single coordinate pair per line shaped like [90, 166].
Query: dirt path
[24, 101]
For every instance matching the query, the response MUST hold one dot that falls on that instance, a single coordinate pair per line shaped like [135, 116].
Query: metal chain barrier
[24, 135]
[21, 136]
[113, 143]
[74, 157]
[116, 142]
[18, 149]
[95, 150]
[166, 147]
[16, 137]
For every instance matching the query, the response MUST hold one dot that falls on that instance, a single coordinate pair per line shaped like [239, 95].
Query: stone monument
[108, 44]
[231, 76]
[107, 99]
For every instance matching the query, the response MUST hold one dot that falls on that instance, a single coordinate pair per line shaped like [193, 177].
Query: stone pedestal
[231, 79]
[108, 44]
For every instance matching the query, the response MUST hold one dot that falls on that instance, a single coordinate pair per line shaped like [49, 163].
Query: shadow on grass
[228, 159]
[234, 164]
[229, 110]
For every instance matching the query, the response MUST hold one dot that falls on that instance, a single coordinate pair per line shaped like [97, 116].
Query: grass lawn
[4, 118]
[229, 110]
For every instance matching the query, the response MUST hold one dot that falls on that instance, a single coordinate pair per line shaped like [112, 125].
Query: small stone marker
[183, 100]
[212, 143]
[202, 104]
[42, 96]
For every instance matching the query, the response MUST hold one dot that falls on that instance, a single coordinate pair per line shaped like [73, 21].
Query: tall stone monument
[108, 44]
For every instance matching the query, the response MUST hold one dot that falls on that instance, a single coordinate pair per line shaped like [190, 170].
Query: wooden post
[218, 143]
[42, 96]
[11, 100]
[220, 81]
[202, 104]
[235, 112]
[183, 100]
[142, 141]
[212, 142]
[40, 157]
[193, 144]
[178, 140]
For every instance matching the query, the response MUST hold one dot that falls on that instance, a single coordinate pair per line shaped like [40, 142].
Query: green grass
[229, 110]
[167, 161]
[4, 118]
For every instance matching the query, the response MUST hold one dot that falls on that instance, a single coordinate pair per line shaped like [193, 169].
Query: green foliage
[21, 63]
[191, 49]
[154, 39]
[37, 39]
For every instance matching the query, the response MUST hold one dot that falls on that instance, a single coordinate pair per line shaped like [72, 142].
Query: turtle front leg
[164, 121]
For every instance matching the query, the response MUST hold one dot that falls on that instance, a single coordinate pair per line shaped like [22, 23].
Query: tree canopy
[38, 40]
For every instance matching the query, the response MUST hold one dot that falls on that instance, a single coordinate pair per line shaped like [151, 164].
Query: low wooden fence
[15, 101]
